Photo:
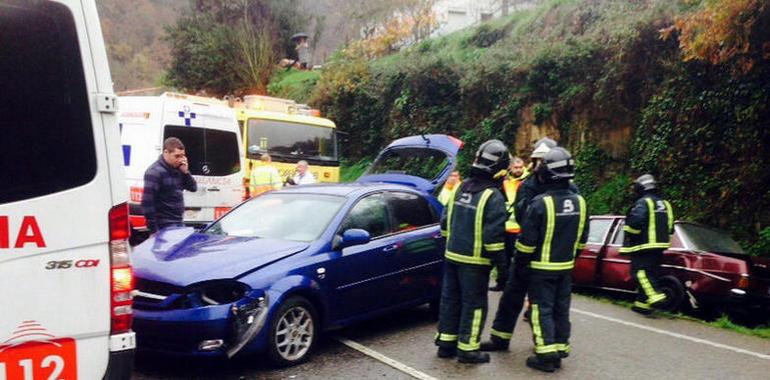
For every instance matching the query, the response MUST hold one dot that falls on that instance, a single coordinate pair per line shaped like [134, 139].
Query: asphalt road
[608, 342]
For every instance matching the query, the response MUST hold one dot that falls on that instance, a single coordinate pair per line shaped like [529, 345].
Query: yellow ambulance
[288, 132]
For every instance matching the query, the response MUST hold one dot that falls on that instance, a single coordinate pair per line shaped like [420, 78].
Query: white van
[65, 277]
[212, 139]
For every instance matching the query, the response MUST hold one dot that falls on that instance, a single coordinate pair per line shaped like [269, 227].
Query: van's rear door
[56, 191]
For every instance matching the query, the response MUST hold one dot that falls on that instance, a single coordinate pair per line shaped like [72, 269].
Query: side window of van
[47, 142]
[211, 152]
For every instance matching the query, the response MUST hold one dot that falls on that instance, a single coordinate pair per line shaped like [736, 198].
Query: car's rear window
[210, 152]
[47, 142]
[420, 162]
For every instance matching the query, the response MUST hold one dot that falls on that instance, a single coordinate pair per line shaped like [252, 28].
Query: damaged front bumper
[213, 330]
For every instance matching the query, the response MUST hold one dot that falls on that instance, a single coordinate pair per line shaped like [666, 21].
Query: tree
[725, 30]
[230, 47]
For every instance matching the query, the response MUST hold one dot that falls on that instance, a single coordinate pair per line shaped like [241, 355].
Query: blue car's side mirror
[354, 236]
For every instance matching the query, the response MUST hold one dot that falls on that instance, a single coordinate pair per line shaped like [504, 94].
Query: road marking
[673, 334]
[382, 358]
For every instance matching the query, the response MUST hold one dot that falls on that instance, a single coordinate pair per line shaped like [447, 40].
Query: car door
[588, 262]
[360, 275]
[615, 269]
[418, 260]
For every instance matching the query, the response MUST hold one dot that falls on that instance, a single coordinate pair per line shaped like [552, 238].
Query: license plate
[39, 359]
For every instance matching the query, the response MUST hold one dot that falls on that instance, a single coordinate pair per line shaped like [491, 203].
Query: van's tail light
[743, 282]
[121, 276]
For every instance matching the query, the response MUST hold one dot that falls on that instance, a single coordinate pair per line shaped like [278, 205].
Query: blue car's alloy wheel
[293, 332]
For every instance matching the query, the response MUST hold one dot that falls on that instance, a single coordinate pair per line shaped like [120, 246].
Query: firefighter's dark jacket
[649, 225]
[474, 224]
[528, 190]
[554, 230]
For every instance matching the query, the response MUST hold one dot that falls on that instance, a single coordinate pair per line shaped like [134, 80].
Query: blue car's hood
[182, 257]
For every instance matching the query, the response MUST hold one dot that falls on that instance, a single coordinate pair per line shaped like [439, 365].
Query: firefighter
[649, 224]
[515, 289]
[474, 225]
[554, 230]
[517, 173]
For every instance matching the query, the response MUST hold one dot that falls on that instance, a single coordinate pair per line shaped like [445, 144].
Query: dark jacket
[162, 201]
[643, 232]
[554, 230]
[528, 190]
[474, 224]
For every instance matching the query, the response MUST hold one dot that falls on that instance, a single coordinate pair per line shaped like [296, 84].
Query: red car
[704, 268]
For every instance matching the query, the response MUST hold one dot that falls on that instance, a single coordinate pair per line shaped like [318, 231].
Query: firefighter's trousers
[511, 302]
[645, 267]
[463, 306]
[550, 295]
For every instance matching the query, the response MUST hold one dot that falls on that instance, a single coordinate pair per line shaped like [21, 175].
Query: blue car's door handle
[391, 247]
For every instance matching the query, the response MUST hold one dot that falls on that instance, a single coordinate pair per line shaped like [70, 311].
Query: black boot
[472, 357]
[541, 364]
[495, 344]
[446, 352]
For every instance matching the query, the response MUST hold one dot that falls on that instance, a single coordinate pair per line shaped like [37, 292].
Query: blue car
[277, 270]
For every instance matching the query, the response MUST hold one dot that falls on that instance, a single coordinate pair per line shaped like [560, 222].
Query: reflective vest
[649, 225]
[511, 187]
[447, 194]
[474, 226]
[264, 178]
[555, 229]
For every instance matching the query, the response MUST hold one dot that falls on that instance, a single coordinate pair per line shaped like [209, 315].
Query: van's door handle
[213, 189]
[391, 247]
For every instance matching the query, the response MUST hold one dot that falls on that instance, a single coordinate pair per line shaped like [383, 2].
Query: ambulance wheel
[293, 332]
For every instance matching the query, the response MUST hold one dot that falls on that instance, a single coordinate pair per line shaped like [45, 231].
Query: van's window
[292, 141]
[410, 211]
[47, 142]
[420, 162]
[597, 230]
[210, 152]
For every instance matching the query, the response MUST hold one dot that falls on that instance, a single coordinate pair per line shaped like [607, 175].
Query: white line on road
[391, 362]
[673, 334]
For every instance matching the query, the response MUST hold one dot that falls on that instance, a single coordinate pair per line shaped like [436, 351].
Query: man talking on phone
[164, 180]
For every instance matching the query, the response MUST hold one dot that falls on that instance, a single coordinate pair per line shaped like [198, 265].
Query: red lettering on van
[3, 232]
[29, 232]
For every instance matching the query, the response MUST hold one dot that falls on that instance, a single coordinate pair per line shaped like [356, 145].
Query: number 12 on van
[39, 359]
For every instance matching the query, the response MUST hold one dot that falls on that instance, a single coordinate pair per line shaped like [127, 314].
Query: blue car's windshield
[285, 216]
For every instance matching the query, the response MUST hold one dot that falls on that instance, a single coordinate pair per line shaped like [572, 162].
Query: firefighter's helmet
[557, 165]
[492, 157]
[645, 183]
[542, 147]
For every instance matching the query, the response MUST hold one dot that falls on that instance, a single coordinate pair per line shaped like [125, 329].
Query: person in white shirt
[302, 175]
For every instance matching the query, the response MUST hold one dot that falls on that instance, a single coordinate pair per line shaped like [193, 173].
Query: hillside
[597, 76]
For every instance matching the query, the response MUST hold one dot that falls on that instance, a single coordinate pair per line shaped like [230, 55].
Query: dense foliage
[599, 77]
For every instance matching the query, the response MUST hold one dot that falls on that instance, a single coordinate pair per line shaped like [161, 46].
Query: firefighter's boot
[472, 357]
[541, 363]
[495, 344]
[446, 352]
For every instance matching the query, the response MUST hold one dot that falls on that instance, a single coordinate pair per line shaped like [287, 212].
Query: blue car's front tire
[293, 332]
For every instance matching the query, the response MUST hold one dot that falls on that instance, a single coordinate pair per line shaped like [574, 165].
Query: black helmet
[557, 165]
[492, 157]
[542, 147]
[645, 183]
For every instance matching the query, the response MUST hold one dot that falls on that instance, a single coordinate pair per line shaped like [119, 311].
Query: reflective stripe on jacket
[511, 187]
[474, 224]
[554, 229]
[649, 225]
[264, 178]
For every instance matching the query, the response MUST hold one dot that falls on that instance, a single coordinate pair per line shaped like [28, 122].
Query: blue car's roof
[343, 189]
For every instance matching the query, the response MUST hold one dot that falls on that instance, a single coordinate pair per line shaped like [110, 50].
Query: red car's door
[615, 269]
[587, 263]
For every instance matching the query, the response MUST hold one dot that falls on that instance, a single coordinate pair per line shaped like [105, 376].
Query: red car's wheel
[674, 291]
